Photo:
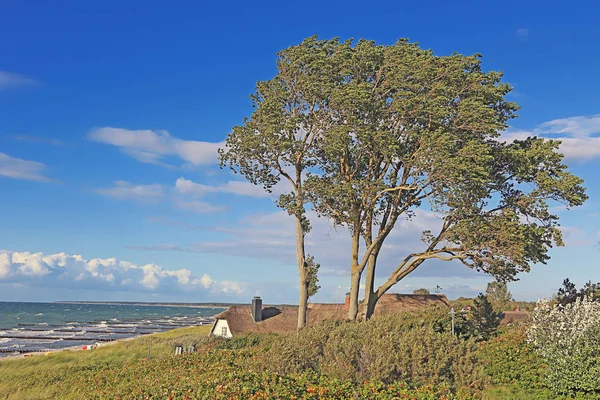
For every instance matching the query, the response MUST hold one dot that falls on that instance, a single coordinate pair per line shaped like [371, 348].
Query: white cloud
[126, 190]
[271, 236]
[206, 281]
[9, 80]
[74, 271]
[17, 168]
[153, 147]
[579, 136]
[231, 287]
[242, 188]
[581, 126]
[200, 207]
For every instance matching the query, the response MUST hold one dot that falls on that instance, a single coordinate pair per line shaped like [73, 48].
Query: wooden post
[452, 314]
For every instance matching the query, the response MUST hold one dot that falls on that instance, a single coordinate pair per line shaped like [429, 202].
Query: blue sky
[111, 113]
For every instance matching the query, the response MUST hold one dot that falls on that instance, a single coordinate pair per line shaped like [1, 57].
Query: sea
[41, 327]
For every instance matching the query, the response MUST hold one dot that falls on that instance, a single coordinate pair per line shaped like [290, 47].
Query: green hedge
[510, 359]
[389, 349]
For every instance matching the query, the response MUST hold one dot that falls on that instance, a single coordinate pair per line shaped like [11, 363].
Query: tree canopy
[276, 142]
[376, 132]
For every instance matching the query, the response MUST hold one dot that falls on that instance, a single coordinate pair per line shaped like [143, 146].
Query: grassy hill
[407, 356]
[57, 376]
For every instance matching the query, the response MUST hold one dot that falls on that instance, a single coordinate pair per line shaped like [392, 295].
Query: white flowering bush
[568, 338]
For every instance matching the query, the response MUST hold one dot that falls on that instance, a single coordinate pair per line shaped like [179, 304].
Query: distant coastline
[156, 304]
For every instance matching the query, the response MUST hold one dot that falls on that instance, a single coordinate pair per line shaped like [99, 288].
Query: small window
[224, 331]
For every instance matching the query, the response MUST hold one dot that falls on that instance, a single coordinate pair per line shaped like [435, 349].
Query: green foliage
[277, 141]
[367, 132]
[511, 359]
[59, 375]
[312, 272]
[568, 293]
[388, 349]
[240, 341]
[498, 294]
[221, 369]
[408, 126]
[515, 392]
[484, 319]
[396, 357]
[421, 291]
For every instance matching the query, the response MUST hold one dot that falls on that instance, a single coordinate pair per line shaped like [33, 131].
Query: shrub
[511, 359]
[421, 291]
[388, 349]
[568, 338]
[241, 342]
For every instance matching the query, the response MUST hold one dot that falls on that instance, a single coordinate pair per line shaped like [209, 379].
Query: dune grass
[46, 376]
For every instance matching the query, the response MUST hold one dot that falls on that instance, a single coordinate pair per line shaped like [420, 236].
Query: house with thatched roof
[514, 317]
[254, 318]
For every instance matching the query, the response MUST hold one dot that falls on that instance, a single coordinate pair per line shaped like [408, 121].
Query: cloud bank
[153, 147]
[580, 136]
[241, 188]
[12, 167]
[271, 236]
[127, 190]
[75, 272]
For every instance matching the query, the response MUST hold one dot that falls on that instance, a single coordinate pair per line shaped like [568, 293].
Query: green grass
[513, 392]
[42, 376]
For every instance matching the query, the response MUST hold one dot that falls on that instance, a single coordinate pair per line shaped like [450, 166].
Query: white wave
[39, 314]
[36, 333]
[5, 340]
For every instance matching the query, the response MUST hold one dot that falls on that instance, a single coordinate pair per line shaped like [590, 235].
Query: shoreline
[80, 348]
[69, 349]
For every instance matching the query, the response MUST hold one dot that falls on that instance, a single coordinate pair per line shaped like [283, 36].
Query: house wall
[218, 328]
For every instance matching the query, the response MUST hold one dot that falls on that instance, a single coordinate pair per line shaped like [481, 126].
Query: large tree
[412, 130]
[276, 142]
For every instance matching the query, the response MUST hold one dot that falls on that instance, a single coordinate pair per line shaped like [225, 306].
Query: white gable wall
[220, 328]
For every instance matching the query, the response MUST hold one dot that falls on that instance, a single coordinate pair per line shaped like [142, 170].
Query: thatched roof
[282, 319]
[511, 317]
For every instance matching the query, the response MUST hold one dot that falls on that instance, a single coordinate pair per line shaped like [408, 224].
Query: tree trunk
[301, 258]
[370, 294]
[356, 273]
[303, 300]
[354, 288]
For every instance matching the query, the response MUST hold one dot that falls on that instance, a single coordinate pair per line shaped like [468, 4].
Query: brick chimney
[347, 301]
[257, 309]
